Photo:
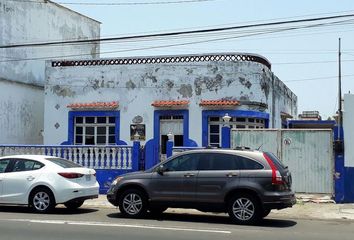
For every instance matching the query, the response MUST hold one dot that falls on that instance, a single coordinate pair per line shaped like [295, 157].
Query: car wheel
[265, 212]
[133, 203]
[157, 210]
[72, 205]
[42, 200]
[244, 209]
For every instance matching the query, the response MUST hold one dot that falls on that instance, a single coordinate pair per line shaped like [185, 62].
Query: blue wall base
[106, 177]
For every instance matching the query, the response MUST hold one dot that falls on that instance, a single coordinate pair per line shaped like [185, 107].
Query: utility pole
[340, 116]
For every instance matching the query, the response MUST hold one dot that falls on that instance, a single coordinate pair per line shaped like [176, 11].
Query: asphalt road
[18, 223]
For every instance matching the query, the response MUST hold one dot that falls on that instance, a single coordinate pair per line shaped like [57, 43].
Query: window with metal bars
[215, 124]
[94, 130]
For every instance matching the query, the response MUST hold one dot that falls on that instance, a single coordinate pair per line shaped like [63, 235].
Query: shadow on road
[57, 211]
[210, 218]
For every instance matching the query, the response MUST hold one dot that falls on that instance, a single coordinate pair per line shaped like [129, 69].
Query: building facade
[22, 68]
[113, 101]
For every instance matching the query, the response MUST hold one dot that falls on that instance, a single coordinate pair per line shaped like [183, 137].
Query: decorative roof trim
[95, 105]
[219, 103]
[170, 103]
[229, 57]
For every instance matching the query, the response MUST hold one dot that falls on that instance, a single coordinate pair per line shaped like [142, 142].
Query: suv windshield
[63, 163]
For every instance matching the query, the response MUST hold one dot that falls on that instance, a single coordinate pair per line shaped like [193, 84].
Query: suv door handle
[189, 175]
[231, 175]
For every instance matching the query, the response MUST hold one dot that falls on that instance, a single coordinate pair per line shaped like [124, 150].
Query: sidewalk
[307, 207]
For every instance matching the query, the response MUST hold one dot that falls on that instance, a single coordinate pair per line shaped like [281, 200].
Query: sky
[306, 60]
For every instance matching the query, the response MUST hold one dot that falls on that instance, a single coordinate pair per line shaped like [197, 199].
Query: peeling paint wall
[21, 113]
[21, 110]
[37, 21]
[136, 86]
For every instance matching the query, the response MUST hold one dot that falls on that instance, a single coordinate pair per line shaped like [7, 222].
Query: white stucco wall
[348, 127]
[33, 22]
[21, 113]
[36, 21]
[136, 86]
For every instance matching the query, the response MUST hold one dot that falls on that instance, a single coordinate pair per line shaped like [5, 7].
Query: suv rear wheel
[244, 209]
[133, 203]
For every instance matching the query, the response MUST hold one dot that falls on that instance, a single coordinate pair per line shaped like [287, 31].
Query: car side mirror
[160, 169]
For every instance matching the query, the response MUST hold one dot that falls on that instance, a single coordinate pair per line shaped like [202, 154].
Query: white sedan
[41, 182]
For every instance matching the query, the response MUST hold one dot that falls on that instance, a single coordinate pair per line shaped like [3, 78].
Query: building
[22, 68]
[310, 120]
[108, 101]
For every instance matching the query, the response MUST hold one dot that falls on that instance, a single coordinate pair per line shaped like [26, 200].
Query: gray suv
[245, 184]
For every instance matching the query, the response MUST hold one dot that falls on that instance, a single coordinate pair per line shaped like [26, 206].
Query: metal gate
[308, 154]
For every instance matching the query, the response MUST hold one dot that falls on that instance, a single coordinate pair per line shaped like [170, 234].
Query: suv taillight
[277, 178]
[71, 175]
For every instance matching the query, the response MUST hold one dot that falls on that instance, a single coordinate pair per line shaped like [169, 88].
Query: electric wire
[178, 33]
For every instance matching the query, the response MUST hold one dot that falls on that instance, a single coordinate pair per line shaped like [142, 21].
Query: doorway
[170, 124]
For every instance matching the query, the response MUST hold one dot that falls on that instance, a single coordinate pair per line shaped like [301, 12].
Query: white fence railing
[97, 157]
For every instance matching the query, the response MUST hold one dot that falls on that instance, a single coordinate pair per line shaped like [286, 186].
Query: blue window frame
[101, 124]
[215, 131]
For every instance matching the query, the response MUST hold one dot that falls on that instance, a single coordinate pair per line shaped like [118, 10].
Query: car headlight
[117, 180]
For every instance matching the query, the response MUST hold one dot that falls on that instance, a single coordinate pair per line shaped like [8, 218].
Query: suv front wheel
[244, 209]
[133, 203]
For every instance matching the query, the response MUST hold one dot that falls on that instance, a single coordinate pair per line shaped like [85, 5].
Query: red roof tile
[94, 105]
[170, 103]
[219, 103]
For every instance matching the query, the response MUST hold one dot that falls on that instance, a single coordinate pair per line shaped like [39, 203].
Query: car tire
[265, 212]
[133, 203]
[156, 211]
[73, 205]
[42, 200]
[244, 209]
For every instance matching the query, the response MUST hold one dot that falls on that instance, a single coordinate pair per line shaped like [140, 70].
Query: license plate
[88, 177]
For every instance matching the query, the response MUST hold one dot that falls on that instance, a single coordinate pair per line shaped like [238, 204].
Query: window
[63, 163]
[182, 163]
[215, 124]
[3, 165]
[248, 164]
[219, 161]
[22, 165]
[214, 135]
[94, 130]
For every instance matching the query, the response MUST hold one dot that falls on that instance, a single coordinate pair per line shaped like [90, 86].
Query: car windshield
[63, 163]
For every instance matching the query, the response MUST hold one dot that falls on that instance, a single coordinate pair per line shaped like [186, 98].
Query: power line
[119, 4]
[162, 46]
[178, 33]
[294, 63]
[317, 78]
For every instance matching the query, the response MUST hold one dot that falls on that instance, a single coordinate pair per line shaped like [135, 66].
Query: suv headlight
[116, 181]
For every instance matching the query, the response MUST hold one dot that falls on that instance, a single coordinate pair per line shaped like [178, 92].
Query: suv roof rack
[212, 147]
[242, 148]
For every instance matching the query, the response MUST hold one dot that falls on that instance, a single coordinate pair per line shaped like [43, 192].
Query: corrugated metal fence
[308, 153]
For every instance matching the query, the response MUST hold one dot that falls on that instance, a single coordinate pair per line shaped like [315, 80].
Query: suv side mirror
[160, 169]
